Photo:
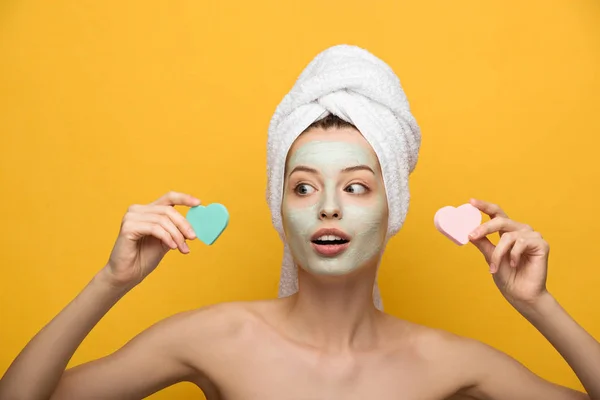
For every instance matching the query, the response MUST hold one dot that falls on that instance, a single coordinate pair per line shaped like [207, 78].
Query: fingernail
[185, 247]
[512, 263]
[192, 234]
[492, 268]
[473, 234]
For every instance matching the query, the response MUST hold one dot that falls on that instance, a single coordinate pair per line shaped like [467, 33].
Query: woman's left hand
[519, 262]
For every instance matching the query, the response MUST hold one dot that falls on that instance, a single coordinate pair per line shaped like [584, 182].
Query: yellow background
[105, 104]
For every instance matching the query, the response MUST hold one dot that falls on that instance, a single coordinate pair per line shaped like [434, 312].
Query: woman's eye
[304, 189]
[356, 188]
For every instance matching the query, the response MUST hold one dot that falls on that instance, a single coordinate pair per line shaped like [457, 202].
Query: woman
[326, 338]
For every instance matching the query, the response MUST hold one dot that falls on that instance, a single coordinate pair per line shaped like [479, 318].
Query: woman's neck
[335, 313]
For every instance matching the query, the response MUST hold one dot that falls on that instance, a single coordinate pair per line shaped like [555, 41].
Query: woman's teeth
[327, 238]
[330, 240]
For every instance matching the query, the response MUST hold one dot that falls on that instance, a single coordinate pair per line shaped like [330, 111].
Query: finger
[179, 220]
[502, 248]
[176, 198]
[485, 246]
[168, 225]
[493, 210]
[517, 250]
[134, 229]
[528, 241]
[498, 224]
[160, 233]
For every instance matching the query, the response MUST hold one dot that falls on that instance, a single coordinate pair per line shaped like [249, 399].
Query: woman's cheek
[299, 218]
[366, 217]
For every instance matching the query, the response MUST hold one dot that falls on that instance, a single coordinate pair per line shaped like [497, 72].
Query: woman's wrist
[543, 306]
[104, 283]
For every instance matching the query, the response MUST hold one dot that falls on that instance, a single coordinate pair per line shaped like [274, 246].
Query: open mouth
[330, 242]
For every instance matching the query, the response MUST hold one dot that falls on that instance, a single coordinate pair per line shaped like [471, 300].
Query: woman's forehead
[344, 139]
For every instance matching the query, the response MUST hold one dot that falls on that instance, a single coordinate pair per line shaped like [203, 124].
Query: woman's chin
[332, 268]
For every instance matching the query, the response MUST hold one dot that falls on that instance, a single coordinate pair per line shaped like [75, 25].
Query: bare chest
[319, 388]
[277, 373]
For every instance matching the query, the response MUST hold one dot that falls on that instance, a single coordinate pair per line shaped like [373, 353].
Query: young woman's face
[334, 206]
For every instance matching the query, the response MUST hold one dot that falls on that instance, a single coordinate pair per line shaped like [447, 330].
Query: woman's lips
[330, 250]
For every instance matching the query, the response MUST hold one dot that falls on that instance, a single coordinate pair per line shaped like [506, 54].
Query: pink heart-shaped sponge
[457, 223]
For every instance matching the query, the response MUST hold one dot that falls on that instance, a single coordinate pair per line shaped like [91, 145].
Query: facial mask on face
[362, 219]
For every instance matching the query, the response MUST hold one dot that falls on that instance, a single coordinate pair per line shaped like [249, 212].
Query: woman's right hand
[147, 233]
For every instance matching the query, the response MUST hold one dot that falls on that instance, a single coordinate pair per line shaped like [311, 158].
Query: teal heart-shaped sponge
[208, 222]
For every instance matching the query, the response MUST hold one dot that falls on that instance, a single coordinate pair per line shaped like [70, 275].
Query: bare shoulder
[225, 327]
[479, 370]
[215, 316]
[426, 342]
[442, 347]
[184, 347]
[217, 322]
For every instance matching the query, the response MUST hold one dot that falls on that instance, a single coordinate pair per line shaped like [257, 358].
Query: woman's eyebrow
[303, 168]
[359, 168]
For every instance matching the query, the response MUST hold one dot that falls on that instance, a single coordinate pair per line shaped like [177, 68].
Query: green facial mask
[363, 220]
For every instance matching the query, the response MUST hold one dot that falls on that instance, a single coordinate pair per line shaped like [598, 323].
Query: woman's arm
[519, 266]
[147, 233]
[489, 374]
[148, 363]
[579, 349]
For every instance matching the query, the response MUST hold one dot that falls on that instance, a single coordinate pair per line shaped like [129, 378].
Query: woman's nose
[330, 214]
[330, 210]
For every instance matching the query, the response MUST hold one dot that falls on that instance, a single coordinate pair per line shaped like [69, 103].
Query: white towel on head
[358, 87]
